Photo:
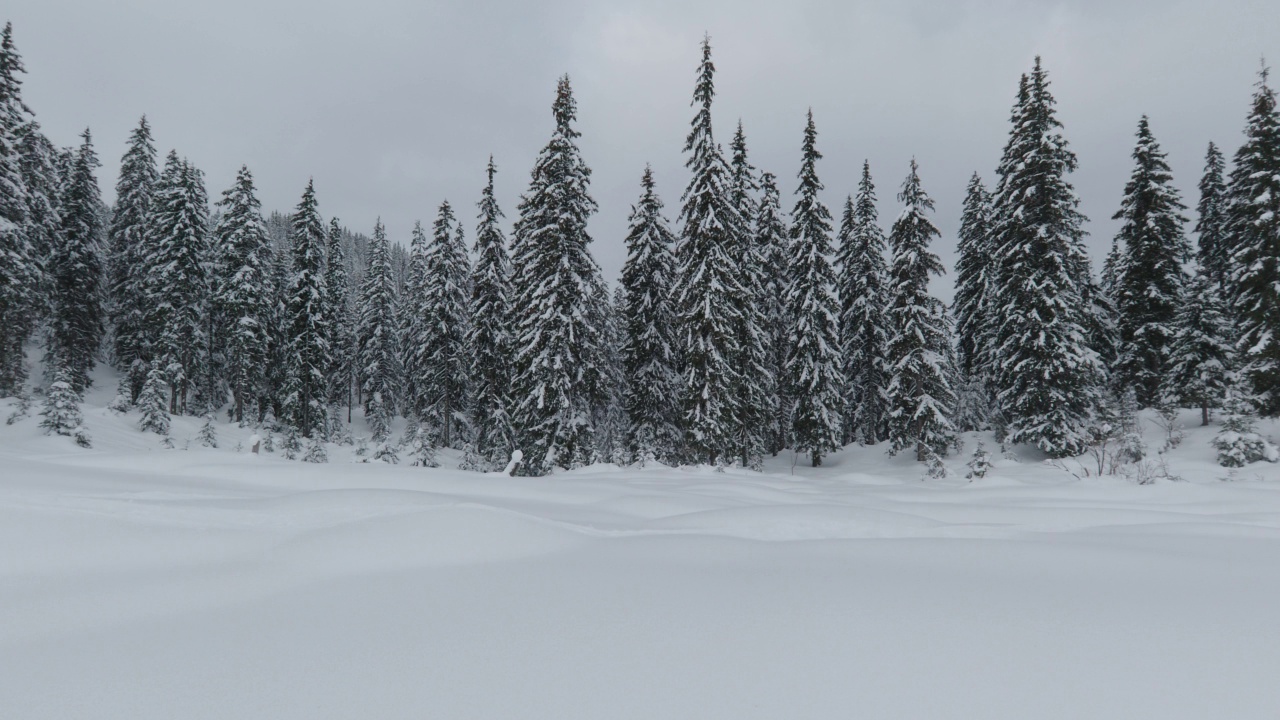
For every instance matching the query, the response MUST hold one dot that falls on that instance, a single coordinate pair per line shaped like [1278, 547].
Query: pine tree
[76, 328]
[128, 252]
[864, 323]
[316, 452]
[974, 276]
[813, 376]
[649, 373]
[1211, 225]
[243, 295]
[707, 285]
[1151, 278]
[21, 272]
[376, 338]
[442, 358]
[1253, 225]
[1047, 380]
[337, 286]
[414, 332]
[920, 396]
[489, 340]
[1200, 350]
[62, 408]
[773, 240]
[153, 403]
[176, 283]
[208, 435]
[554, 278]
[1238, 442]
[45, 174]
[308, 322]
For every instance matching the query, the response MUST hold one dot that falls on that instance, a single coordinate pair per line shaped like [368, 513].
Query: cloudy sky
[393, 106]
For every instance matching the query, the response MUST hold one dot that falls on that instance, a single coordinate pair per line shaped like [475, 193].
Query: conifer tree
[1151, 277]
[773, 240]
[45, 175]
[920, 396]
[1048, 378]
[974, 271]
[757, 381]
[1200, 350]
[414, 333]
[489, 339]
[307, 320]
[337, 287]
[652, 399]
[21, 272]
[864, 322]
[153, 403]
[442, 355]
[1253, 225]
[62, 409]
[554, 278]
[76, 328]
[243, 295]
[813, 376]
[707, 286]
[378, 365]
[1211, 225]
[127, 235]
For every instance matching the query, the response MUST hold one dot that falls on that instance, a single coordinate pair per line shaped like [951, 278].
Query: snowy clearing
[138, 582]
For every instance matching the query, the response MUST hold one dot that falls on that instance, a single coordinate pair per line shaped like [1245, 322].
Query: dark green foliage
[77, 326]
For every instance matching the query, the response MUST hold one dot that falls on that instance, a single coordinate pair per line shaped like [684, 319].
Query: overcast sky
[395, 106]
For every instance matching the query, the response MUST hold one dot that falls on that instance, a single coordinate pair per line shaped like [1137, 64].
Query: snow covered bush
[471, 460]
[62, 410]
[292, 444]
[208, 435]
[980, 463]
[386, 453]
[315, 451]
[423, 449]
[23, 406]
[1238, 442]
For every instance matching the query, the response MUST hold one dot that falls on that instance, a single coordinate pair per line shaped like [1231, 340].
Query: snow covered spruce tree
[772, 239]
[1253, 225]
[1150, 280]
[412, 316]
[652, 393]
[489, 336]
[553, 279]
[128, 252]
[920, 396]
[1211, 224]
[77, 326]
[1199, 352]
[1047, 376]
[757, 382]
[974, 270]
[62, 408]
[441, 350]
[21, 266]
[307, 321]
[707, 286]
[176, 284]
[337, 305]
[243, 296]
[378, 372]
[153, 403]
[813, 380]
[864, 322]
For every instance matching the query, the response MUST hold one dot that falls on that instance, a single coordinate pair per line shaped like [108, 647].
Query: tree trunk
[1204, 414]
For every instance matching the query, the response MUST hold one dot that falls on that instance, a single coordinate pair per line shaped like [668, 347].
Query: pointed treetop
[565, 108]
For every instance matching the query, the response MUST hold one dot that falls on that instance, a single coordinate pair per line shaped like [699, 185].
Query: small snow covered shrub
[153, 406]
[208, 432]
[1238, 442]
[386, 453]
[471, 460]
[423, 449]
[291, 445]
[269, 442]
[362, 447]
[315, 451]
[62, 410]
[23, 408]
[934, 467]
[980, 463]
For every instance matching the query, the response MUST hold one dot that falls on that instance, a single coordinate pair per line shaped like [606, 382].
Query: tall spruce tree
[337, 287]
[442, 357]
[243, 295]
[974, 277]
[554, 280]
[414, 331]
[378, 373]
[772, 238]
[864, 322]
[21, 270]
[1253, 225]
[176, 284]
[1150, 277]
[920, 395]
[45, 175]
[1048, 377]
[813, 379]
[1200, 351]
[1213, 251]
[648, 358]
[306, 389]
[489, 340]
[707, 286]
[77, 326]
[128, 251]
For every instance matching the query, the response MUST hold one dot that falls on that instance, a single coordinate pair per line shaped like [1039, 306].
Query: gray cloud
[395, 106]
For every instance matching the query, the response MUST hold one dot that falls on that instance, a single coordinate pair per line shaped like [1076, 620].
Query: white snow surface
[140, 582]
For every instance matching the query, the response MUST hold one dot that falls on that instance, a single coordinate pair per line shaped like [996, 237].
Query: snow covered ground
[140, 582]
